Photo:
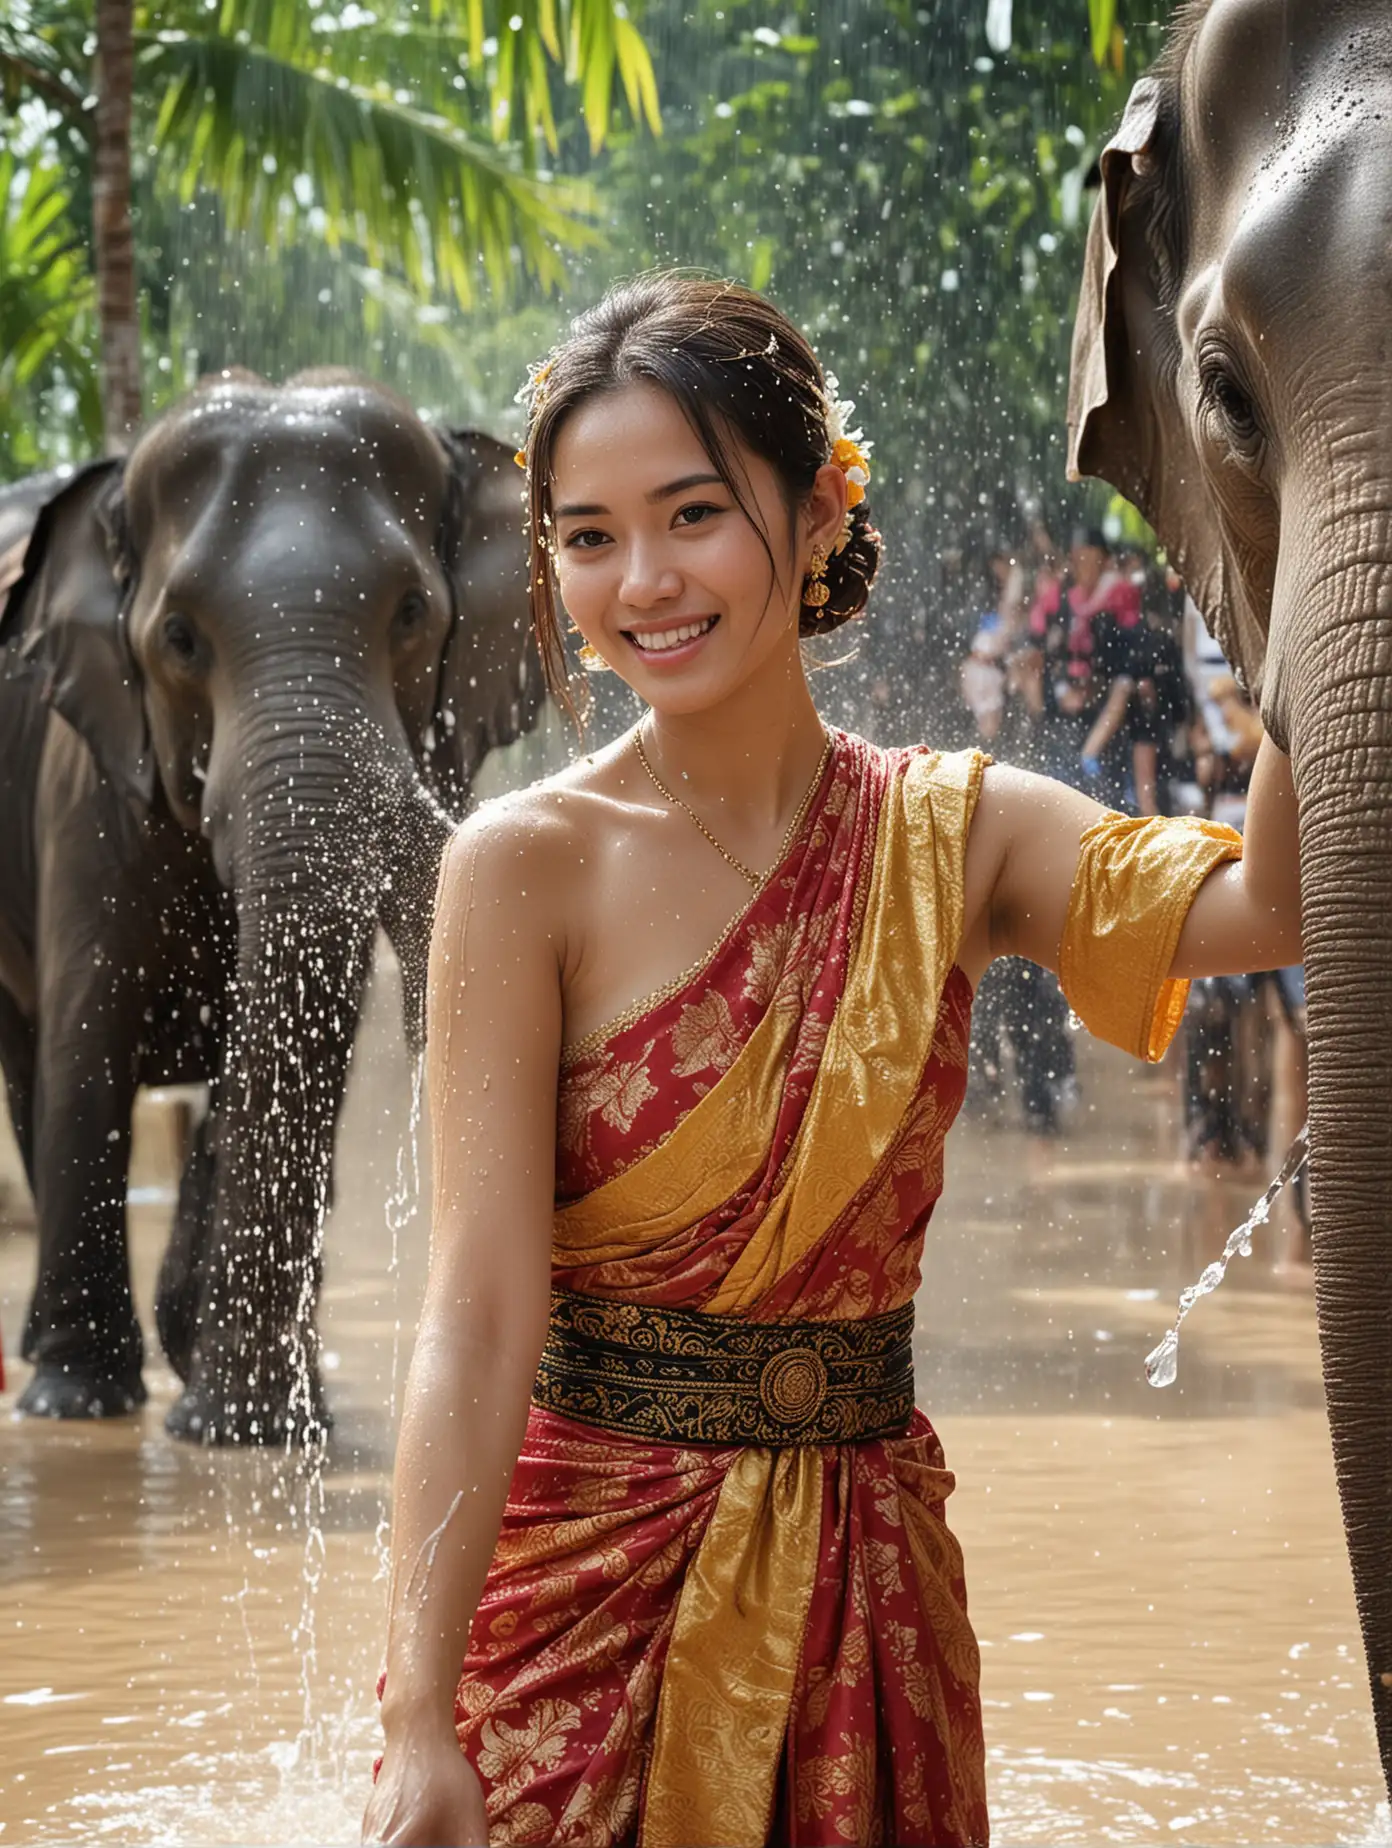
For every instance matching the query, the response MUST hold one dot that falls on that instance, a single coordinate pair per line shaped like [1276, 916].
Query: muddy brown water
[1170, 1650]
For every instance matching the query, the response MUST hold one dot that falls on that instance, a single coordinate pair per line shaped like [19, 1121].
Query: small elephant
[248, 674]
[1232, 375]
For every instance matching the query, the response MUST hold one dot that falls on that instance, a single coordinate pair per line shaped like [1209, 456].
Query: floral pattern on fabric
[773, 956]
[559, 1695]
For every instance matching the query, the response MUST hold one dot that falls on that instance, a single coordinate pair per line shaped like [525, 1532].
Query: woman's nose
[648, 579]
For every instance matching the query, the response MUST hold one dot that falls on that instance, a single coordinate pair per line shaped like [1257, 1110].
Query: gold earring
[592, 660]
[815, 591]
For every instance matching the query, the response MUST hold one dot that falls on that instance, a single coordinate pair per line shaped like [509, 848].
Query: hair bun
[849, 575]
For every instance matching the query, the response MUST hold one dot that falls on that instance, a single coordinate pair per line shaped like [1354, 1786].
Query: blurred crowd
[1090, 663]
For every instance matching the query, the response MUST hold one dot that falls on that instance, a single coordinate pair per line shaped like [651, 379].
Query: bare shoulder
[533, 850]
[513, 852]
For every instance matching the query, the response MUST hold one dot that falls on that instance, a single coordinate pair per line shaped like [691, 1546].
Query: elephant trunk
[313, 829]
[417, 829]
[1340, 723]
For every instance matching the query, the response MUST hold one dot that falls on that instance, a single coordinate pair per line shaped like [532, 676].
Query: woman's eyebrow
[680, 487]
[588, 510]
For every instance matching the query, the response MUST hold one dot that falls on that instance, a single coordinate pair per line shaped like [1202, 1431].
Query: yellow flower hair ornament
[533, 395]
[850, 451]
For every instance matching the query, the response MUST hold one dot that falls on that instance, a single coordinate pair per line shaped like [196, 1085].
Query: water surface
[1158, 1579]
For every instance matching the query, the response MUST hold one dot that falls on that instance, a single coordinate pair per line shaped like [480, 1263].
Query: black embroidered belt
[678, 1376]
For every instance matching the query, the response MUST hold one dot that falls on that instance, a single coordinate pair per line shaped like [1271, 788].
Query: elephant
[1232, 376]
[249, 672]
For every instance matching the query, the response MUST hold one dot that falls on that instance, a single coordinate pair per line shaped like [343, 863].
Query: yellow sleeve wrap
[1136, 879]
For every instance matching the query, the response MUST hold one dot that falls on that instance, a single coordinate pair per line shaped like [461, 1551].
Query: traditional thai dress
[725, 1606]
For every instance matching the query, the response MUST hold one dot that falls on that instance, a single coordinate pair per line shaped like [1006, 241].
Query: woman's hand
[427, 1795]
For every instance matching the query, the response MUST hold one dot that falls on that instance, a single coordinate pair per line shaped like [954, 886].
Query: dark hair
[737, 368]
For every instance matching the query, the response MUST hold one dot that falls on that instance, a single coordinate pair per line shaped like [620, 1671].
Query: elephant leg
[17, 1049]
[82, 1334]
[181, 1272]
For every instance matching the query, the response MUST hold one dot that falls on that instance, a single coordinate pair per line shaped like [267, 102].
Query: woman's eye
[587, 540]
[696, 514]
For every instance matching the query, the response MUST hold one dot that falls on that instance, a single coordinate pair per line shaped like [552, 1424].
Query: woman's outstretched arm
[1247, 915]
[493, 1052]
[1023, 855]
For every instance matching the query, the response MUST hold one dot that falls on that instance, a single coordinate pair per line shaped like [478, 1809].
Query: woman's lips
[677, 643]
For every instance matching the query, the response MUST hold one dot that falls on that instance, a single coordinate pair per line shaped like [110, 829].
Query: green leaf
[1102, 16]
[639, 78]
[46, 303]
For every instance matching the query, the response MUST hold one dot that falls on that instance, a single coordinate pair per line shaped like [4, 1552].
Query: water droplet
[1162, 1363]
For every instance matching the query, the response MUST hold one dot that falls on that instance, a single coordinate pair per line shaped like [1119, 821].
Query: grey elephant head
[256, 523]
[293, 619]
[1232, 375]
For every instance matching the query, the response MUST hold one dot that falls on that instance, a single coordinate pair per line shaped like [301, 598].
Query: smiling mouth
[668, 641]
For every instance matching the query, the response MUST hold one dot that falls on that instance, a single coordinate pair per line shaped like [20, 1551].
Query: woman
[692, 1556]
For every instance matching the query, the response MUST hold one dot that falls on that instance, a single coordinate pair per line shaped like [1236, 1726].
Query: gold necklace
[745, 872]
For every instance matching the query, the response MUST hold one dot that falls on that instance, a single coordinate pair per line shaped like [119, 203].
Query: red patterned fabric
[557, 1699]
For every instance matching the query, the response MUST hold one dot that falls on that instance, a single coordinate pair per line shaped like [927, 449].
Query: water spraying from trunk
[1162, 1363]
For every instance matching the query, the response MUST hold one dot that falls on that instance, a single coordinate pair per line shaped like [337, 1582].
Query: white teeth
[673, 638]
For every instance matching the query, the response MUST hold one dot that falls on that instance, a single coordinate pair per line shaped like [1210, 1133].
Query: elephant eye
[179, 638]
[411, 613]
[1234, 406]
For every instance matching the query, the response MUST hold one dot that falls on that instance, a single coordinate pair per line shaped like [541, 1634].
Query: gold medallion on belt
[793, 1385]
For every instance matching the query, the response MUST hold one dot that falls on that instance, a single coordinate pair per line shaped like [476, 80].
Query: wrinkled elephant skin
[246, 677]
[1232, 374]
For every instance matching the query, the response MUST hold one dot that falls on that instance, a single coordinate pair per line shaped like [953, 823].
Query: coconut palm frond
[604, 46]
[508, 57]
[46, 302]
[44, 281]
[275, 138]
[598, 48]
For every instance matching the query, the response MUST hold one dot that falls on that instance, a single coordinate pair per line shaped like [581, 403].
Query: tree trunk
[113, 243]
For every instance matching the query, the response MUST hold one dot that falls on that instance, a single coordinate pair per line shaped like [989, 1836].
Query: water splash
[1162, 1363]
[403, 1204]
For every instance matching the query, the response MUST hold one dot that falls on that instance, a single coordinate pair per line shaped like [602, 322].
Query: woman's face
[658, 566]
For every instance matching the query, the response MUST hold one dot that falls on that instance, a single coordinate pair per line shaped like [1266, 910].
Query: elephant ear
[65, 622]
[491, 687]
[1125, 420]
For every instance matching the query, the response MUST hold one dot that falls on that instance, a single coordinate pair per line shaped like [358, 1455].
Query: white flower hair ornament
[850, 451]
